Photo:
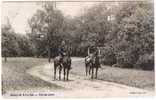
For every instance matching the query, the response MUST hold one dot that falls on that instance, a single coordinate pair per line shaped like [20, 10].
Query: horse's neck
[96, 58]
[67, 56]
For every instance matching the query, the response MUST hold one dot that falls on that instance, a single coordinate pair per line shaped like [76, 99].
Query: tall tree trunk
[5, 56]
[5, 59]
[49, 54]
[49, 51]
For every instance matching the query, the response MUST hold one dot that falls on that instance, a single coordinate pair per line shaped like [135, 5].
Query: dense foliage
[124, 33]
[14, 45]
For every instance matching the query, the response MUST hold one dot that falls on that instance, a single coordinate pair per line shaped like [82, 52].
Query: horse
[57, 65]
[87, 65]
[66, 62]
[95, 64]
[92, 62]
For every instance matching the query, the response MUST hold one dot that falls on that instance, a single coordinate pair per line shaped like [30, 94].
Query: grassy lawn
[131, 77]
[14, 76]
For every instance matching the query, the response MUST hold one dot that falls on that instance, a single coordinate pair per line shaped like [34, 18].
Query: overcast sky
[19, 12]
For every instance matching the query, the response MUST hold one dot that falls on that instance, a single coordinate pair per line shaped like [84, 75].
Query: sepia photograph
[77, 49]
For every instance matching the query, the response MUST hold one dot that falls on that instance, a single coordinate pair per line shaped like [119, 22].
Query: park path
[82, 86]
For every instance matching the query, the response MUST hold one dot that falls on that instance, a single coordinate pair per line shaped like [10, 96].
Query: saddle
[91, 58]
[88, 59]
[61, 58]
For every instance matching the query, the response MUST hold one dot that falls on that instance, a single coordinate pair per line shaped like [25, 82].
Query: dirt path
[82, 86]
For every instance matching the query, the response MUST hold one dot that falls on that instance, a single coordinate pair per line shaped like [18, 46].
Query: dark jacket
[62, 49]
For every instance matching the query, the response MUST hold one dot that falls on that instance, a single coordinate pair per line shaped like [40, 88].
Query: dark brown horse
[95, 65]
[64, 64]
[57, 66]
[92, 63]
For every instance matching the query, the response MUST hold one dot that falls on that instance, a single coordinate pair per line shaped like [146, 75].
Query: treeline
[123, 31]
[15, 45]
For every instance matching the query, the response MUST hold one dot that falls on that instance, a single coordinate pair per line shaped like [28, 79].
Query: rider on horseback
[93, 52]
[62, 51]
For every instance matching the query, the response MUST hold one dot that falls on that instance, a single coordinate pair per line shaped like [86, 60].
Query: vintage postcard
[77, 49]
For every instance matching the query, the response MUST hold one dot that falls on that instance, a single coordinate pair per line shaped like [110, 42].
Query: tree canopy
[124, 33]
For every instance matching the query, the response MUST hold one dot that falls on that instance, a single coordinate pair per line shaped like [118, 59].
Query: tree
[9, 45]
[136, 34]
[47, 21]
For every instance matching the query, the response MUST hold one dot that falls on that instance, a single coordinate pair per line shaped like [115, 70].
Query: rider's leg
[70, 65]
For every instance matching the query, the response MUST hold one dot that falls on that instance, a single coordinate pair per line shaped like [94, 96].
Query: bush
[108, 56]
[125, 59]
[146, 62]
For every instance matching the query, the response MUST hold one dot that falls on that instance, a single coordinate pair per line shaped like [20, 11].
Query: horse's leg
[64, 73]
[92, 69]
[86, 69]
[60, 69]
[96, 72]
[89, 69]
[68, 73]
[54, 71]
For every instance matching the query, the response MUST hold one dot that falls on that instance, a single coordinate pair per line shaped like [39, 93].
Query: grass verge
[14, 76]
[131, 77]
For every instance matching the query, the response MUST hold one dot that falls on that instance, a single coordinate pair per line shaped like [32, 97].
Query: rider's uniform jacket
[62, 50]
[91, 53]
[92, 50]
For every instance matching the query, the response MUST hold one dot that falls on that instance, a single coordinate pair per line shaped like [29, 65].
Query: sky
[19, 12]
